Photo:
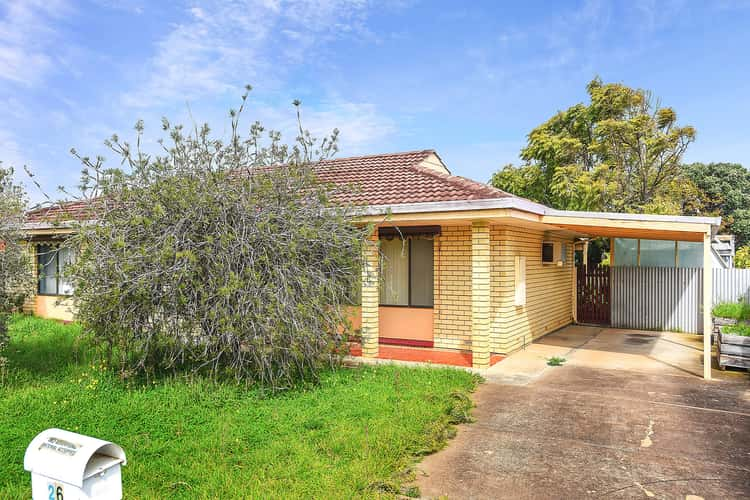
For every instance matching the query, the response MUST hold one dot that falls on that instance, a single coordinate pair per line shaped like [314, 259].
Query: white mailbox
[69, 466]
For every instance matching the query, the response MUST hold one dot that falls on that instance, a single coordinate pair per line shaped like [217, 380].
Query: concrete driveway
[627, 416]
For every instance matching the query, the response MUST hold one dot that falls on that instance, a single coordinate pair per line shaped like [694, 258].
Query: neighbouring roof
[372, 180]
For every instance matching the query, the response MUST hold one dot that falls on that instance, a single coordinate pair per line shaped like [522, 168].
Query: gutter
[455, 206]
[714, 221]
[67, 224]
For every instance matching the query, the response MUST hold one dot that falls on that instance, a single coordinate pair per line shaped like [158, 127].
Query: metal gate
[592, 295]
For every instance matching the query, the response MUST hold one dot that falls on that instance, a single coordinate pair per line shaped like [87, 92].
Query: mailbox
[69, 466]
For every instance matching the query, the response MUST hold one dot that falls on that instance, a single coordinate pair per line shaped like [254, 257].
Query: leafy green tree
[727, 193]
[227, 257]
[621, 151]
[742, 258]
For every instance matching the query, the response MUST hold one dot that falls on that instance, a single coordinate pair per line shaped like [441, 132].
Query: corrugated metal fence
[664, 298]
[731, 285]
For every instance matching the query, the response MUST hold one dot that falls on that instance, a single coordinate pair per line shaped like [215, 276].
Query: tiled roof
[398, 178]
[383, 179]
[59, 212]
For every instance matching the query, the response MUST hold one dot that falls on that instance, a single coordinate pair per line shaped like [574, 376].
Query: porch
[462, 291]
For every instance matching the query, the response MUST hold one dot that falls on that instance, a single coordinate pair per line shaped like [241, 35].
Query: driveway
[627, 416]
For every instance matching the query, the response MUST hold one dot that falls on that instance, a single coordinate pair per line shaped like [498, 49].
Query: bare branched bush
[226, 257]
[16, 279]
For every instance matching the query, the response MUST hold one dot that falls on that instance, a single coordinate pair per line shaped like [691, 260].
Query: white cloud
[10, 150]
[26, 35]
[362, 126]
[224, 44]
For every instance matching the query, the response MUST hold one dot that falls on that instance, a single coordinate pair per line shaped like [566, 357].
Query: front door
[592, 295]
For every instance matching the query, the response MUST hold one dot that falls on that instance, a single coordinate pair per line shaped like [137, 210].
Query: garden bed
[732, 332]
[734, 346]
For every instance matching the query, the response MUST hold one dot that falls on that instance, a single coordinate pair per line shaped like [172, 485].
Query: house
[724, 248]
[465, 267]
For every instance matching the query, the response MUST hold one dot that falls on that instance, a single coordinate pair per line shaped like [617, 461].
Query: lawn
[354, 434]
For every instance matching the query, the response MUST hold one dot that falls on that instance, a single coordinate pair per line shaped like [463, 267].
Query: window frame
[408, 273]
[39, 267]
[552, 244]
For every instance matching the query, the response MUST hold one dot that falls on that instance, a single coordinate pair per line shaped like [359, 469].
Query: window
[407, 272]
[689, 254]
[548, 252]
[656, 253]
[52, 262]
[626, 252]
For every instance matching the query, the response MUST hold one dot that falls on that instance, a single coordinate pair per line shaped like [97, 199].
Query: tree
[16, 279]
[221, 257]
[727, 193]
[742, 258]
[621, 152]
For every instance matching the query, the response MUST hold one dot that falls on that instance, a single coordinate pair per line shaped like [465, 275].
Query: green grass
[556, 361]
[734, 310]
[353, 435]
[739, 329]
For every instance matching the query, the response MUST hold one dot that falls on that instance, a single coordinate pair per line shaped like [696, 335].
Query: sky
[468, 79]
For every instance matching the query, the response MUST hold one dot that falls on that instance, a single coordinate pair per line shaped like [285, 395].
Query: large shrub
[229, 257]
[16, 279]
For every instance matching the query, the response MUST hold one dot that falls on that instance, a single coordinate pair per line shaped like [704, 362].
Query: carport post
[707, 303]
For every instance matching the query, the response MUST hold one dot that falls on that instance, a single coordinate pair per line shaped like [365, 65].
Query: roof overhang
[643, 226]
[512, 209]
[582, 224]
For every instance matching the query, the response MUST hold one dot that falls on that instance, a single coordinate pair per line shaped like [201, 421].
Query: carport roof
[623, 225]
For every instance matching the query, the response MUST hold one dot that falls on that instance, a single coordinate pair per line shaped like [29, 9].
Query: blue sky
[469, 79]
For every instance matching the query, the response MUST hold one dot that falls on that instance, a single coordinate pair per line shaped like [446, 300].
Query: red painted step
[452, 358]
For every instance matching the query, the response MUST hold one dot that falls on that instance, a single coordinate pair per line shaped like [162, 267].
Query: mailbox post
[69, 466]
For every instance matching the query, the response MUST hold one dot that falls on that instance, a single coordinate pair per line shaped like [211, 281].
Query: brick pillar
[370, 298]
[480, 294]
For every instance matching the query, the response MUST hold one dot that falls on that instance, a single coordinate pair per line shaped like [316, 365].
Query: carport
[650, 227]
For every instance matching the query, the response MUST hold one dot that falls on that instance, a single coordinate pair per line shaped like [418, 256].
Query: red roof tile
[398, 178]
[382, 179]
[59, 212]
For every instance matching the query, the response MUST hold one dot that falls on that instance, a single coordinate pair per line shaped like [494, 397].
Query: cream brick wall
[452, 312]
[480, 294]
[29, 305]
[549, 297]
[370, 298]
